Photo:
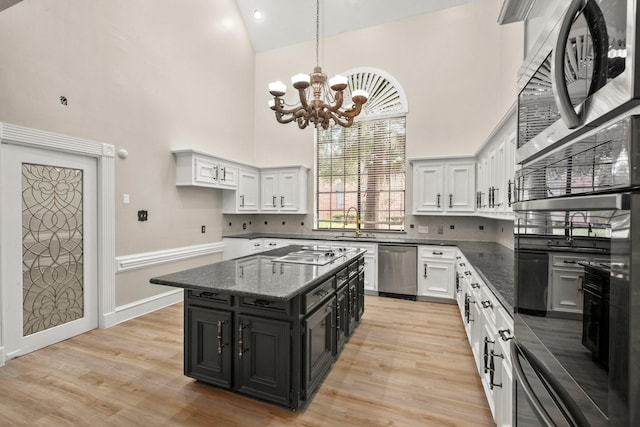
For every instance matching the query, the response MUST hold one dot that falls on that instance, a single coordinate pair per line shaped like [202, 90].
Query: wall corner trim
[146, 259]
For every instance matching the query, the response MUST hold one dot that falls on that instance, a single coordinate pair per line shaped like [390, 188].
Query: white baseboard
[143, 306]
[1, 356]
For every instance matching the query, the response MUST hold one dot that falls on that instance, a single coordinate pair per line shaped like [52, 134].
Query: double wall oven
[576, 351]
[577, 321]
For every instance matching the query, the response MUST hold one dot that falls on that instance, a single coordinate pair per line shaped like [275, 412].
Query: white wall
[145, 75]
[457, 66]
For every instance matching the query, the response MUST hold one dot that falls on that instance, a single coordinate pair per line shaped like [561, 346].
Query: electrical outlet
[203, 229]
[143, 215]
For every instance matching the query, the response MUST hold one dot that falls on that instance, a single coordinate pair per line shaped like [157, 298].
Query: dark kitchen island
[270, 329]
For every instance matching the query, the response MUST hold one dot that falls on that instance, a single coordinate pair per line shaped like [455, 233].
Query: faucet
[346, 218]
[589, 229]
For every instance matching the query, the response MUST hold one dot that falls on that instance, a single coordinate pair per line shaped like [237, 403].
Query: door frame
[105, 162]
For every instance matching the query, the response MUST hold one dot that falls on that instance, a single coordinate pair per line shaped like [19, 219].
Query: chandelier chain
[317, 33]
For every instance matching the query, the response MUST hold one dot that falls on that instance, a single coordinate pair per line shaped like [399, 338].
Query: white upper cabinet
[247, 198]
[443, 186]
[203, 170]
[283, 190]
[252, 189]
[496, 170]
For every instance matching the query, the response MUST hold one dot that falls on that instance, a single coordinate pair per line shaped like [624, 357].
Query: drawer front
[353, 268]
[437, 252]
[265, 305]
[209, 298]
[568, 260]
[313, 298]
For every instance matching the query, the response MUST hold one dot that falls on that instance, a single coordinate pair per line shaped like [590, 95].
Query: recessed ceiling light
[257, 14]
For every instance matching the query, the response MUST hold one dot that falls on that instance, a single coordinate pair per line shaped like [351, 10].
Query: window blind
[361, 170]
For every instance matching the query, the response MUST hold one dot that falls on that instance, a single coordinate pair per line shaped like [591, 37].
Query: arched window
[368, 160]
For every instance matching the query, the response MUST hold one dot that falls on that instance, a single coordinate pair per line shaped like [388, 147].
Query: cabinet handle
[467, 308]
[467, 273]
[338, 313]
[273, 202]
[569, 261]
[490, 197]
[437, 253]
[242, 201]
[242, 271]
[425, 271]
[240, 340]
[492, 369]
[438, 200]
[322, 293]
[509, 191]
[224, 174]
[220, 344]
[475, 285]
[450, 200]
[207, 294]
[504, 334]
[282, 201]
[485, 354]
[487, 304]
[494, 197]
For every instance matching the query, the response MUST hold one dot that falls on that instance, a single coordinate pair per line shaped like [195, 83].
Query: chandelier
[324, 106]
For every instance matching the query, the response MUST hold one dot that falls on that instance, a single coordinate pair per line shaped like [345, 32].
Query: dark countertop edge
[301, 289]
[457, 243]
[495, 292]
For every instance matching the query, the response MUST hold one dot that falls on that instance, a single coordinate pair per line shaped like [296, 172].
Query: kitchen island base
[278, 351]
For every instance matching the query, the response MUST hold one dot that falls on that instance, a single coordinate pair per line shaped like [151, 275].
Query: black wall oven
[579, 202]
[583, 73]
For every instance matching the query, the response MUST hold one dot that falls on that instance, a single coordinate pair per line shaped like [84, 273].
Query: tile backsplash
[417, 227]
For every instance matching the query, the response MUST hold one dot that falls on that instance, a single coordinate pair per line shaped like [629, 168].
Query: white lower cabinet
[436, 272]
[489, 329]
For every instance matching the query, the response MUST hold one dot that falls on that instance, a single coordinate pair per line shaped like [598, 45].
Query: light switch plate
[423, 229]
[125, 199]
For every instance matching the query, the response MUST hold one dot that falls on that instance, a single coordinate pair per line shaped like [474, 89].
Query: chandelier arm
[338, 119]
[339, 98]
[278, 107]
[353, 111]
[302, 94]
[280, 119]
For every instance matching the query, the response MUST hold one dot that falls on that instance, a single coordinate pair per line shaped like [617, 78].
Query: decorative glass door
[49, 255]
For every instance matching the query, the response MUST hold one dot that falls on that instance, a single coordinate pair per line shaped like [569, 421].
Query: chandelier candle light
[324, 106]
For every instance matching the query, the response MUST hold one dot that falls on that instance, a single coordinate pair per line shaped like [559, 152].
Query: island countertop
[493, 261]
[257, 275]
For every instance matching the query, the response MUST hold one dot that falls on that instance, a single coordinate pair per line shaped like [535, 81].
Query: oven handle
[573, 409]
[600, 39]
[542, 415]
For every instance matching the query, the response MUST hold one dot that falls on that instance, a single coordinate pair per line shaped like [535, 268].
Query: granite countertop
[257, 275]
[493, 261]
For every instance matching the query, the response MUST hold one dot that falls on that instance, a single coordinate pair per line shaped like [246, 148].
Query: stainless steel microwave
[582, 74]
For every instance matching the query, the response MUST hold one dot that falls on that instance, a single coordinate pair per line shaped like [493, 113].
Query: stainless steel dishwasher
[398, 271]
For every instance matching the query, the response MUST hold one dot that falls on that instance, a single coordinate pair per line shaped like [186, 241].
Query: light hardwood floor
[408, 364]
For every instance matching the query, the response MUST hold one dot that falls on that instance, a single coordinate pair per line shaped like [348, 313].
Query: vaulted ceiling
[287, 22]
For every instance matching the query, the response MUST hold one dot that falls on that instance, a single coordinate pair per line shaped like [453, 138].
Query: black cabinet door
[360, 298]
[264, 358]
[353, 303]
[320, 345]
[342, 318]
[207, 345]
